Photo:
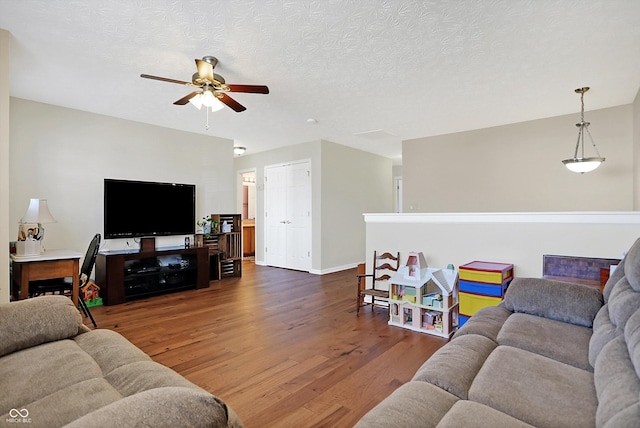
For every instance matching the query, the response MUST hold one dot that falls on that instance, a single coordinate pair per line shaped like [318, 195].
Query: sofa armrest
[31, 322]
[162, 407]
[556, 300]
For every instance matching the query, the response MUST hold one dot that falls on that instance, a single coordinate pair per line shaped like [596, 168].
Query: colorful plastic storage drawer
[472, 303]
[462, 319]
[495, 290]
[488, 272]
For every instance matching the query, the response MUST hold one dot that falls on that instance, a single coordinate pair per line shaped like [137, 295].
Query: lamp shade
[38, 212]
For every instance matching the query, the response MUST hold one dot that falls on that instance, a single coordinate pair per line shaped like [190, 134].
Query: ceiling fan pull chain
[207, 110]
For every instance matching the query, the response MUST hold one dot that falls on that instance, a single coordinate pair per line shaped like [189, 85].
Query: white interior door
[298, 223]
[287, 195]
[275, 202]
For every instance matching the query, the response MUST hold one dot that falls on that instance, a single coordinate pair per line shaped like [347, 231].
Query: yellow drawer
[472, 303]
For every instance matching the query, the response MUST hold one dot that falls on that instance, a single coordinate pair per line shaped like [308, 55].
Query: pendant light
[582, 164]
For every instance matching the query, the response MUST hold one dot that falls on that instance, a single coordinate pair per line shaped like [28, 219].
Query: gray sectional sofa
[56, 372]
[552, 354]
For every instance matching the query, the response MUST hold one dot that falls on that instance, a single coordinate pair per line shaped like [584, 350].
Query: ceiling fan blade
[164, 79]
[182, 101]
[231, 102]
[205, 70]
[252, 89]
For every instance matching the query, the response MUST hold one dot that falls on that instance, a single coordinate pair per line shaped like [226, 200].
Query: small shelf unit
[225, 248]
[413, 304]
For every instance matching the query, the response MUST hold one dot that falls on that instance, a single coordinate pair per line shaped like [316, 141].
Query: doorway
[397, 190]
[248, 211]
[287, 215]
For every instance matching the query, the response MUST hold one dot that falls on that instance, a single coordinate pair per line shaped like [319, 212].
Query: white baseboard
[334, 269]
[320, 271]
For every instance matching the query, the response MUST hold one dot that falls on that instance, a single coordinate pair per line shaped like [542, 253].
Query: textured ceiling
[371, 73]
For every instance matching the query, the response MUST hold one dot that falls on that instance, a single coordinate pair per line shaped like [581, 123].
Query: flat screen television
[143, 208]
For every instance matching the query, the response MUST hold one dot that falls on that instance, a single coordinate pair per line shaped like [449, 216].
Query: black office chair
[62, 286]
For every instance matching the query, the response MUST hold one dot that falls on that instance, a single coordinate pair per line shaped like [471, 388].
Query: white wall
[518, 238]
[345, 183]
[63, 155]
[517, 168]
[258, 161]
[4, 164]
[353, 182]
[636, 152]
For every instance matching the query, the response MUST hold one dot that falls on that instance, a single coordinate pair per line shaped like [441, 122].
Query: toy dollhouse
[424, 299]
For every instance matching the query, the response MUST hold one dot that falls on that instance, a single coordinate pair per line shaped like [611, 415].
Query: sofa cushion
[536, 389]
[567, 343]
[616, 382]
[471, 414]
[632, 266]
[486, 322]
[632, 337]
[623, 302]
[627, 418]
[453, 367]
[616, 276]
[109, 349]
[140, 376]
[126, 367]
[560, 301]
[68, 404]
[30, 322]
[34, 373]
[414, 404]
[603, 332]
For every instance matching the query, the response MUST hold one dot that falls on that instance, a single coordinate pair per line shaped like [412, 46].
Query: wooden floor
[282, 348]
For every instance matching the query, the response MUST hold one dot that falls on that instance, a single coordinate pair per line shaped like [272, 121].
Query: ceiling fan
[212, 87]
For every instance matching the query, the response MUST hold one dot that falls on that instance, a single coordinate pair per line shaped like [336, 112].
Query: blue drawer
[482, 288]
[462, 319]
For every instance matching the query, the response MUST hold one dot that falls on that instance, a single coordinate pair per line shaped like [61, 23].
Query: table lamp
[31, 223]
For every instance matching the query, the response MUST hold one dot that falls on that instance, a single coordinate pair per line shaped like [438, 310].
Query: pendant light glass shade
[583, 164]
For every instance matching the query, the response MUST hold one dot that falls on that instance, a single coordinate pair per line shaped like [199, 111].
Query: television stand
[124, 275]
[148, 244]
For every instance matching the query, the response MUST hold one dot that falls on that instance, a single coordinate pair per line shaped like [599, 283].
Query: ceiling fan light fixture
[211, 88]
[210, 100]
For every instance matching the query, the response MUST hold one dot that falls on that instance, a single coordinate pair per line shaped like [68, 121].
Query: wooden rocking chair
[384, 266]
